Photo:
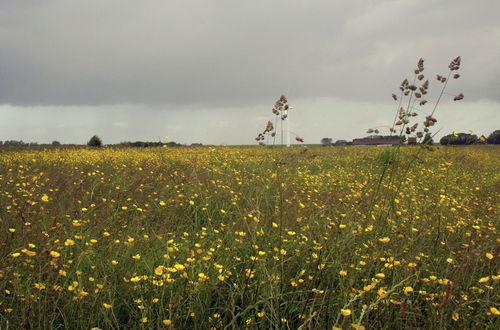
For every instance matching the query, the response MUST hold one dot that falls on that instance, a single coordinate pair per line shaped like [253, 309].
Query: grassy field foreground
[247, 237]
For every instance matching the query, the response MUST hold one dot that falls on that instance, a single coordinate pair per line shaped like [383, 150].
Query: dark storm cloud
[237, 53]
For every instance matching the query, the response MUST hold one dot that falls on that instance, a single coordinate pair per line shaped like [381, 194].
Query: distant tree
[56, 143]
[326, 141]
[459, 139]
[14, 143]
[95, 141]
[494, 138]
[428, 139]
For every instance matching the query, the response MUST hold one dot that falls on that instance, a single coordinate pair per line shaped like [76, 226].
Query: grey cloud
[227, 53]
[209, 71]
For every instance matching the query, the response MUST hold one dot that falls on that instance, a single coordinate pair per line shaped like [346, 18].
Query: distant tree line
[142, 144]
[14, 143]
[20, 143]
[494, 138]
[459, 139]
[466, 138]
[95, 141]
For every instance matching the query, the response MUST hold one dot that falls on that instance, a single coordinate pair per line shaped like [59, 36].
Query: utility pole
[288, 127]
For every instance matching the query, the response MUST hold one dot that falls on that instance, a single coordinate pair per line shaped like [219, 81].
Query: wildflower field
[235, 237]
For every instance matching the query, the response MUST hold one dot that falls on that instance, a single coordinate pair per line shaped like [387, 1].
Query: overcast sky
[210, 70]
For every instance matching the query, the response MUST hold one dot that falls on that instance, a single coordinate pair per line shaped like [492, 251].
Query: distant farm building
[377, 140]
[412, 141]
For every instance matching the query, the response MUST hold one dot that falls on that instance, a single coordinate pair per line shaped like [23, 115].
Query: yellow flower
[167, 322]
[494, 311]
[343, 273]
[29, 253]
[345, 312]
[381, 292]
[144, 320]
[202, 277]
[357, 326]
[83, 293]
[408, 290]
[455, 316]
[69, 242]
[15, 254]
[159, 270]
[107, 306]
[45, 198]
[489, 255]
[484, 279]
[136, 257]
[39, 286]
[73, 286]
[449, 260]
[380, 275]
[114, 262]
[384, 240]
[55, 254]
[179, 267]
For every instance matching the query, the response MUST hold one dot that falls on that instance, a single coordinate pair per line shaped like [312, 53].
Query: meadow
[249, 237]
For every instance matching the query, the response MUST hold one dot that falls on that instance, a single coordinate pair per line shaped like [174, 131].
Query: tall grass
[248, 237]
